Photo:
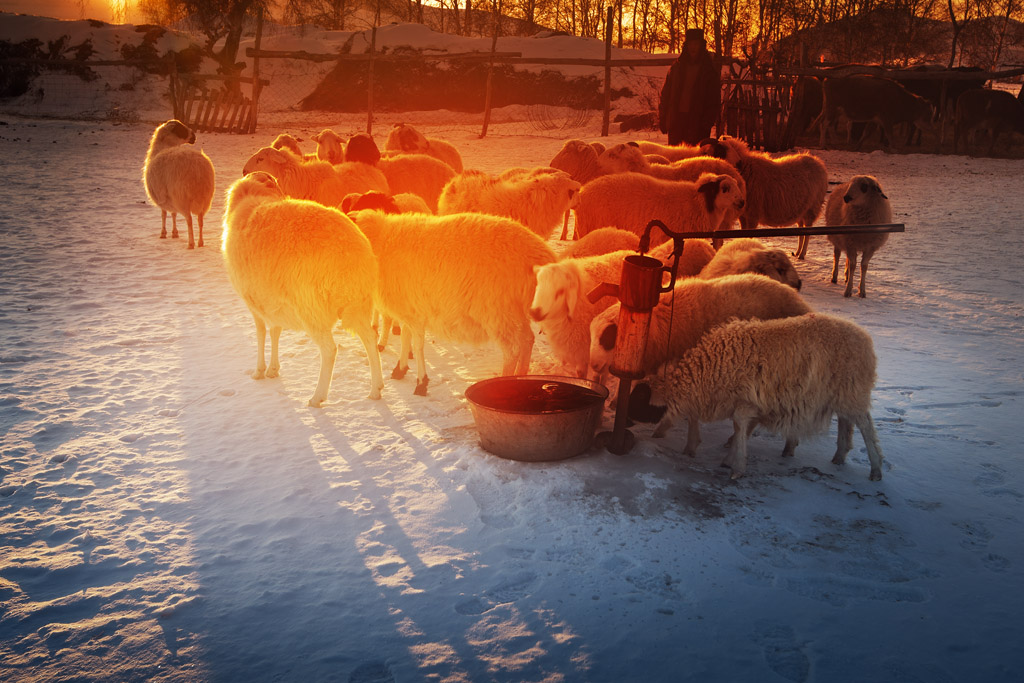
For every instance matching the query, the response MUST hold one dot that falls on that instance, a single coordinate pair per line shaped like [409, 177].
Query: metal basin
[536, 418]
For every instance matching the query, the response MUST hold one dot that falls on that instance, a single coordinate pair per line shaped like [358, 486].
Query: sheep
[287, 142]
[561, 305]
[684, 315]
[632, 200]
[580, 160]
[749, 255]
[789, 189]
[418, 174]
[299, 265]
[858, 202]
[602, 241]
[316, 180]
[538, 200]
[408, 140]
[178, 179]
[329, 146]
[429, 280]
[628, 158]
[789, 375]
[670, 152]
[405, 202]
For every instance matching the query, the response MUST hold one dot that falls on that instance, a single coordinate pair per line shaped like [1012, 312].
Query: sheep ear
[607, 339]
[847, 198]
[640, 408]
[710, 190]
[882, 193]
[633, 144]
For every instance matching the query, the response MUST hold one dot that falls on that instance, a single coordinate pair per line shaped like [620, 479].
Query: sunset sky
[66, 9]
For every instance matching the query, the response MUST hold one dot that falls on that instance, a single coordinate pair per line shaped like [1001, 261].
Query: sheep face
[774, 263]
[624, 157]
[173, 133]
[268, 159]
[862, 189]
[329, 146]
[361, 147]
[407, 139]
[558, 289]
[721, 193]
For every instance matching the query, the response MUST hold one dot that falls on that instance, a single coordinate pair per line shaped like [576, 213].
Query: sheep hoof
[258, 374]
[374, 395]
[846, 295]
[174, 234]
[272, 372]
[735, 475]
[315, 402]
[396, 329]
[421, 387]
[876, 474]
[839, 459]
[163, 235]
[399, 371]
[191, 246]
[200, 243]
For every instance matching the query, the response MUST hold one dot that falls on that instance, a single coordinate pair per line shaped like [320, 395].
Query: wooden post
[490, 78]
[369, 81]
[606, 116]
[256, 85]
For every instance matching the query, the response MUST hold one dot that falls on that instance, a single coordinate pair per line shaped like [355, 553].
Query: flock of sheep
[351, 232]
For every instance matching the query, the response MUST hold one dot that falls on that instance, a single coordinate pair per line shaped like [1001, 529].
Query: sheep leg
[174, 225]
[836, 252]
[369, 340]
[191, 239]
[790, 446]
[737, 458]
[418, 336]
[261, 347]
[851, 269]
[692, 435]
[735, 427]
[275, 365]
[163, 224]
[517, 358]
[385, 332]
[844, 441]
[328, 353]
[565, 225]
[199, 217]
[402, 366]
[864, 258]
[867, 430]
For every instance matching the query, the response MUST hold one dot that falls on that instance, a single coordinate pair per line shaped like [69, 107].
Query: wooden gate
[206, 107]
[757, 110]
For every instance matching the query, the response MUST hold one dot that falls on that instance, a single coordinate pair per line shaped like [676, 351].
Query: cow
[932, 89]
[871, 98]
[996, 111]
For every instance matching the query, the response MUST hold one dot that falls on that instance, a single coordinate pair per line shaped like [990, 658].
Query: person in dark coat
[692, 94]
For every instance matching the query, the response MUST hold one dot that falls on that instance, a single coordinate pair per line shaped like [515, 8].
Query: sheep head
[377, 201]
[329, 146]
[558, 290]
[721, 193]
[772, 263]
[170, 134]
[861, 189]
[273, 161]
[622, 158]
[258, 185]
[576, 158]
[287, 142]
[361, 147]
[407, 139]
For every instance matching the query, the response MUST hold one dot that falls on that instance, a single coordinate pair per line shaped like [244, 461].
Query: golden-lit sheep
[858, 202]
[748, 255]
[407, 140]
[303, 266]
[316, 180]
[178, 178]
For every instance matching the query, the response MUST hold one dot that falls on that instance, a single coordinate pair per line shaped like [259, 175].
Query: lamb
[329, 146]
[408, 140]
[747, 255]
[417, 174]
[789, 375]
[316, 180]
[178, 179]
[287, 142]
[684, 315]
[538, 200]
[429, 280]
[858, 202]
[780, 192]
[299, 265]
[563, 310]
[632, 200]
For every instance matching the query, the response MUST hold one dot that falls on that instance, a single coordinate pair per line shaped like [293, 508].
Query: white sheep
[563, 310]
[780, 191]
[399, 203]
[670, 152]
[329, 146]
[602, 241]
[684, 315]
[178, 179]
[418, 174]
[789, 375]
[632, 200]
[429, 280]
[748, 255]
[858, 202]
[408, 140]
[299, 265]
[538, 199]
[316, 180]
[580, 160]
[287, 142]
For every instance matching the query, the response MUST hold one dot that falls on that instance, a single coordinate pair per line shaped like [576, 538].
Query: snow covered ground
[165, 517]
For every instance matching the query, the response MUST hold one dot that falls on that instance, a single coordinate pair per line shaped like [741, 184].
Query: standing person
[692, 94]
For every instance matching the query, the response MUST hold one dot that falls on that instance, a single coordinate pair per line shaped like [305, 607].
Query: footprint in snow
[782, 652]
[372, 672]
[511, 589]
